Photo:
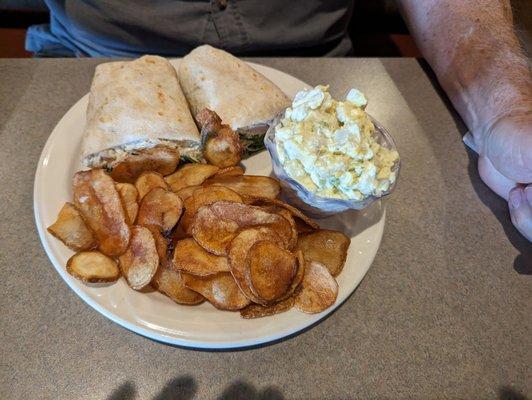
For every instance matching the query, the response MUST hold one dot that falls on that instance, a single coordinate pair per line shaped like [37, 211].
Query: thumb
[520, 205]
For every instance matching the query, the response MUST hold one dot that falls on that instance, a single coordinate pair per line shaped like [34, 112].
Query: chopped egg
[329, 146]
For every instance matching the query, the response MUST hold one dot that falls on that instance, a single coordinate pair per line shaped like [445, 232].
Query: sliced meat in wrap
[134, 106]
[244, 99]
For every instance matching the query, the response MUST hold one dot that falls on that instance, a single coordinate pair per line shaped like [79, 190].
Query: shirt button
[222, 4]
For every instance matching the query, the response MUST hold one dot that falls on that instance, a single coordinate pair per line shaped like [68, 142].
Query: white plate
[154, 315]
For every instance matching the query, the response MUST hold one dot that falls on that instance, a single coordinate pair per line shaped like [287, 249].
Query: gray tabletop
[444, 311]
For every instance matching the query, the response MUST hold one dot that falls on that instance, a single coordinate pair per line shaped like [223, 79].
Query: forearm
[476, 56]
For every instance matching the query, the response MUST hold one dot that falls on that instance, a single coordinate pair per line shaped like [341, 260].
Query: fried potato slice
[298, 277]
[238, 251]
[215, 225]
[129, 195]
[249, 185]
[160, 208]
[186, 192]
[98, 201]
[318, 291]
[304, 223]
[148, 181]
[170, 283]
[204, 196]
[220, 290]
[327, 247]
[188, 214]
[191, 258]
[161, 244]
[140, 261]
[190, 175]
[161, 159]
[271, 271]
[70, 228]
[235, 170]
[177, 234]
[93, 266]
[259, 311]
[291, 237]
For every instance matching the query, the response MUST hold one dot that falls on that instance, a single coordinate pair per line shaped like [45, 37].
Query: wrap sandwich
[243, 98]
[138, 115]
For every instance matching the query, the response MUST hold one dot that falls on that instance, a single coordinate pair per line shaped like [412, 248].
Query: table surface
[444, 311]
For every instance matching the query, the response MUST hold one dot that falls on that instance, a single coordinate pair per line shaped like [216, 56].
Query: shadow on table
[507, 393]
[185, 388]
[497, 205]
[240, 390]
[125, 391]
[179, 388]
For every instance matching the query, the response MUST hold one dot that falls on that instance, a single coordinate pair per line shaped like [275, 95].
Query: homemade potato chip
[161, 244]
[220, 290]
[298, 277]
[325, 246]
[190, 175]
[148, 181]
[129, 195]
[159, 159]
[271, 270]
[304, 223]
[238, 251]
[204, 196]
[248, 185]
[177, 234]
[189, 211]
[93, 266]
[235, 170]
[318, 290]
[191, 258]
[186, 192]
[140, 261]
[72, 230]
[169, 282]
[258, 311]
[98, 201]
[215, 225]
[291, 236]
[160, 208]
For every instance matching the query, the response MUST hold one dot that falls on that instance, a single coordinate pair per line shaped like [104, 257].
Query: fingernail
[515, 197]
[528, 193]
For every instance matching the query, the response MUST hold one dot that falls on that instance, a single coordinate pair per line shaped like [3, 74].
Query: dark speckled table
[444, 312]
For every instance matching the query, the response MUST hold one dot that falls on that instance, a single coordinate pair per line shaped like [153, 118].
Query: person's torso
[173, 28]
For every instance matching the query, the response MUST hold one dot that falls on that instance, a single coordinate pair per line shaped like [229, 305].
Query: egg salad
[329, 147]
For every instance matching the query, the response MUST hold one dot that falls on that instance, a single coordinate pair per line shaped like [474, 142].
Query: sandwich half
[243, 98]
[137, 112]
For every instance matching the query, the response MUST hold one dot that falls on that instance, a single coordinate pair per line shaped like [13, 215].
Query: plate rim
[159, 336]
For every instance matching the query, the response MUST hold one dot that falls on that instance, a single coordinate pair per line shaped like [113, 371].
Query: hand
[505, 165]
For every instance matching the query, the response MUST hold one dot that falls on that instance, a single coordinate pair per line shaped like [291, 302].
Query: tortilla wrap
[242, 97]
[135, 105]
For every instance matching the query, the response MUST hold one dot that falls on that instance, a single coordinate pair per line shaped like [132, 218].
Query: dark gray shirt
[125, 28]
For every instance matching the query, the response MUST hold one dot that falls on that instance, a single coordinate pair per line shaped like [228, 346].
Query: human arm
[472, 48]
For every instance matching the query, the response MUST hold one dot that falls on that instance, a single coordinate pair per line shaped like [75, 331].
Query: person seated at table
[470, 45]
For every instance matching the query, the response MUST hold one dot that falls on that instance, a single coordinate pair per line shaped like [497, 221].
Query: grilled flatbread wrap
[135, 105]
[244, 99]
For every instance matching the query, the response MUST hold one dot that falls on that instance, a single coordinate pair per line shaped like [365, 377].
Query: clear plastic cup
[312, 204]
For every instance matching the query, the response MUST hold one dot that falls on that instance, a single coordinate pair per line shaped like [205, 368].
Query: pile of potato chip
[201, 233]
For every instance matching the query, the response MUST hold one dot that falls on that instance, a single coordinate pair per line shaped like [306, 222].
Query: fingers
[520, 205]
[493, 178]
